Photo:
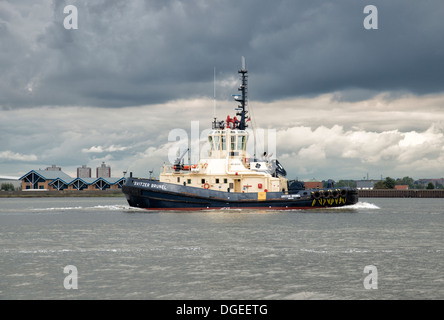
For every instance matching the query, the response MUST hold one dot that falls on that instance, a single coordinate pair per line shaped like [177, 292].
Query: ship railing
[172, 169]
[167, 168]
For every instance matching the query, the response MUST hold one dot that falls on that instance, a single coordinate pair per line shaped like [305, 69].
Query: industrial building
[53, 168]
[438, 183]
[313, 184]
[84, 172]
[365, 184]
[14, 181]
[53, 179]
[103, 171]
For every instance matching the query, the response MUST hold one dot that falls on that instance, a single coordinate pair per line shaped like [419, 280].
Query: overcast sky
[344, 101]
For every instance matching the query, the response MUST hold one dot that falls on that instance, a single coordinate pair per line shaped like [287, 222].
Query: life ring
[206, 185]
[205, 165]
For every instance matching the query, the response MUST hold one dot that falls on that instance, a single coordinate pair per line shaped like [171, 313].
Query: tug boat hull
[156, 195]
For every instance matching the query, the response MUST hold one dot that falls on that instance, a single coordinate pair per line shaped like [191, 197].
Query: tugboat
[228, 178]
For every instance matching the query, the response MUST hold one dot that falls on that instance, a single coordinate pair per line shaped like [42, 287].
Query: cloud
[14, 156]
[337, 153]
[373, 136]
[151, 52]
[100, 149]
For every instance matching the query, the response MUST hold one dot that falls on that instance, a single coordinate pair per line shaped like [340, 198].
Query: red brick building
[313, 185]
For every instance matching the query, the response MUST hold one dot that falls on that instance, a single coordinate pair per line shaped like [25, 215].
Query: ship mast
[243, 98]
[241, 123]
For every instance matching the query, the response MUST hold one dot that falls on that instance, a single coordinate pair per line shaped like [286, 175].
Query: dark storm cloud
[144, 52]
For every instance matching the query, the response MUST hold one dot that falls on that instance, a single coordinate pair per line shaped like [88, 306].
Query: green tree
[390, 183]
[406, 181]
[430, 186]
[7, 187]
[380, 185]
[419, 186]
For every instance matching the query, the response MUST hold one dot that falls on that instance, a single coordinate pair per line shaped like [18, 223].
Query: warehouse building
[313, 184]
[54, 179]
[365, 184]
[8, 180]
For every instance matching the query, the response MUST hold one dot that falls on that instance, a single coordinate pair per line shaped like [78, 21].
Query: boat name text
[149, 185]
[290, 196]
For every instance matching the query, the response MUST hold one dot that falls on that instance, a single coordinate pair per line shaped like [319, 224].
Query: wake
[360, 205]
[94, 208]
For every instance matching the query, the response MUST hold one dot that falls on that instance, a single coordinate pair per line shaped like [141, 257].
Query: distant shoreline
[393, 193]
[64, 193]
[379, 193]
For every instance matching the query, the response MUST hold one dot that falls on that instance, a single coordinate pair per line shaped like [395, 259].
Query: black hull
[155, 195]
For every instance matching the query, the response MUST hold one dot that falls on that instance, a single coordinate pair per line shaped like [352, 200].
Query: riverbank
[392, 193]
[64, 193]
[380, 193]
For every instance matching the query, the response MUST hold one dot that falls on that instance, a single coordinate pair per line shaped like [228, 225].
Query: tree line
[7, 187]
[388, 183]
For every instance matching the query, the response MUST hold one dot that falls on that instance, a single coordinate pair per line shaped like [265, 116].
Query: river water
[377, 249]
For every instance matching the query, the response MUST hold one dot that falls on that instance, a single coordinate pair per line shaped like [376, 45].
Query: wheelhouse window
[216, 142]
[233, 142]
[241, 142]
